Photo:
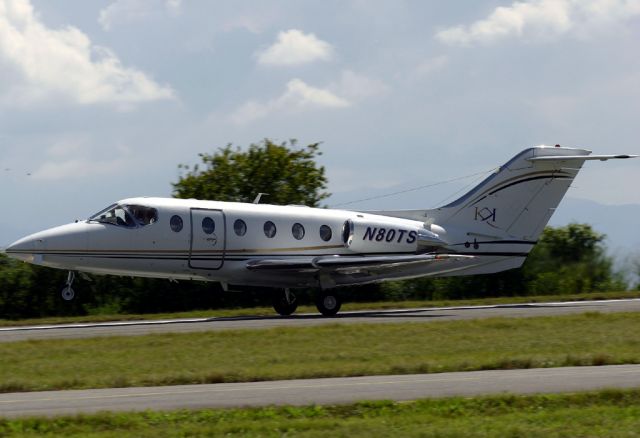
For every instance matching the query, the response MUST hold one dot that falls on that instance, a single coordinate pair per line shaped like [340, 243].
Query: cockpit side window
[115, 215]
[142, 214]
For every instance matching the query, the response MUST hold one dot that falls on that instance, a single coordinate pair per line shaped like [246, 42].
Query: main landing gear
[67, 291]
[284, 302]
[328, 302]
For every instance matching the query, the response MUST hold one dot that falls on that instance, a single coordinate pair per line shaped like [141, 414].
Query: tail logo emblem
[485, 214]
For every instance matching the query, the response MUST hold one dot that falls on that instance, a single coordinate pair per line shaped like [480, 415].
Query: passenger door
[208, 239]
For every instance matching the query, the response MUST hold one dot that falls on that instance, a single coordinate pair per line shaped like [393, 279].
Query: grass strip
[595, 414]
[349, 306]
[325, 351]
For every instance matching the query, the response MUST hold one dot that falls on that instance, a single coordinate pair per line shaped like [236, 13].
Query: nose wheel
[67, 291]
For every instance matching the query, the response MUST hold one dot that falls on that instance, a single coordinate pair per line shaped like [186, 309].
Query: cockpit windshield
[129, 216]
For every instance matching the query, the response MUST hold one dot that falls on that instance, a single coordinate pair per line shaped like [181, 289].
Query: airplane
[490, 229]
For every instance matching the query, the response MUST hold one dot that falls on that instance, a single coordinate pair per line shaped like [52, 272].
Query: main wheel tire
[283, 306]
[67, 293]
[328, 303]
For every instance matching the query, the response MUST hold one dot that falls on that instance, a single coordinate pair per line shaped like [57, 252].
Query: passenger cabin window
[298, 231]
[269, 229]
[240, 227]
[325, 233]
[176, 223]
[208, 225]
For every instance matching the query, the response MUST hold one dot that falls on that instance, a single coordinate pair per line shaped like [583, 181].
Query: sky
[101, 101]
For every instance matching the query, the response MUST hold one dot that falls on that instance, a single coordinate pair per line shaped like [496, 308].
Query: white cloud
[251, 23]
[76, 168]
[298, 96]
[63, 62]
[294, 48]
[356, 87]
[349, 89]
[72, 158]
[174, 7]
[541, 19]
[122, 11]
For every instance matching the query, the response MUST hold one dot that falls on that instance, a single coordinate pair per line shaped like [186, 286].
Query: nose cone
[37, 248]
[25, 248]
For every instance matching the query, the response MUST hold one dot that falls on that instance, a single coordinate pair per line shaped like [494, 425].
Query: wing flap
[338, 263]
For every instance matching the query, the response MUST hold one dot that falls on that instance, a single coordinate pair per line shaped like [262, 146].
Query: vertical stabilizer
[505, 214]
[517, 201]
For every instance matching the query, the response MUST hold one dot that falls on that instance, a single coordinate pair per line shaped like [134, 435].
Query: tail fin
[514, 204]
[518, 200]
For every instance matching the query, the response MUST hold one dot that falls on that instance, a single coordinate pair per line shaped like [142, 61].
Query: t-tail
[505, 214]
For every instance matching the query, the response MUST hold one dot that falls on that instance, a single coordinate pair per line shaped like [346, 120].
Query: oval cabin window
[176, 223]
[208, 225]
[298, 231]
[325, 233]
[240, 227]
[269, 229]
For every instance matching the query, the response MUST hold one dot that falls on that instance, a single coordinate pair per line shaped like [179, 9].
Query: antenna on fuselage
[257, 200]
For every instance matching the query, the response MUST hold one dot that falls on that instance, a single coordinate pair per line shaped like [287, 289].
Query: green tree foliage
[290, 175]
[26, 290]
[568, 259]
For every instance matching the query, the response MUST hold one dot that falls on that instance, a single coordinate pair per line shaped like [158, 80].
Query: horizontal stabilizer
[580, 157]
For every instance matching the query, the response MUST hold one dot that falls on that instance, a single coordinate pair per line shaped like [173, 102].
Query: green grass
[593, 414]
[325, 351]
[349, 306]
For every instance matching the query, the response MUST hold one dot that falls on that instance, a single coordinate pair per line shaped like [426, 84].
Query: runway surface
[129, 328]
[321, 391]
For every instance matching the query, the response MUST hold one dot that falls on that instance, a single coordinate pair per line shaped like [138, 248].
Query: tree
[570, 259]
[288, 174]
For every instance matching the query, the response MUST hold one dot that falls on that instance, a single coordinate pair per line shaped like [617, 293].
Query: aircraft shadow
[346, 315]
[399, 314]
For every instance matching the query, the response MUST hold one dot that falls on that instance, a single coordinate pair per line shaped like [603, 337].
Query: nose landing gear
[67, 291]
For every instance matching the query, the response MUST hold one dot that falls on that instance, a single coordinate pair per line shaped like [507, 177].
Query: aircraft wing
[351, 264]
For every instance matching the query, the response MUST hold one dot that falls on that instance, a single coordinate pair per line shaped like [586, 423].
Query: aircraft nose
[25, 248]
[45, 246]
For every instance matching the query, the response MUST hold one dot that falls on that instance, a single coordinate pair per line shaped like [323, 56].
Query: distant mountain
[619, 222]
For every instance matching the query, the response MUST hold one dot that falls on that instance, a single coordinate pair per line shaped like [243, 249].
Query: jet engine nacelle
[379, 236]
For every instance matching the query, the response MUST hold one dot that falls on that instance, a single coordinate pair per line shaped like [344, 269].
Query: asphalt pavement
[320, 391]
[131, 328]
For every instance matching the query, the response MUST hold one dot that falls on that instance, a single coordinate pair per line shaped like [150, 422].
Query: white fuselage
[210, 244]
[218, 253]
